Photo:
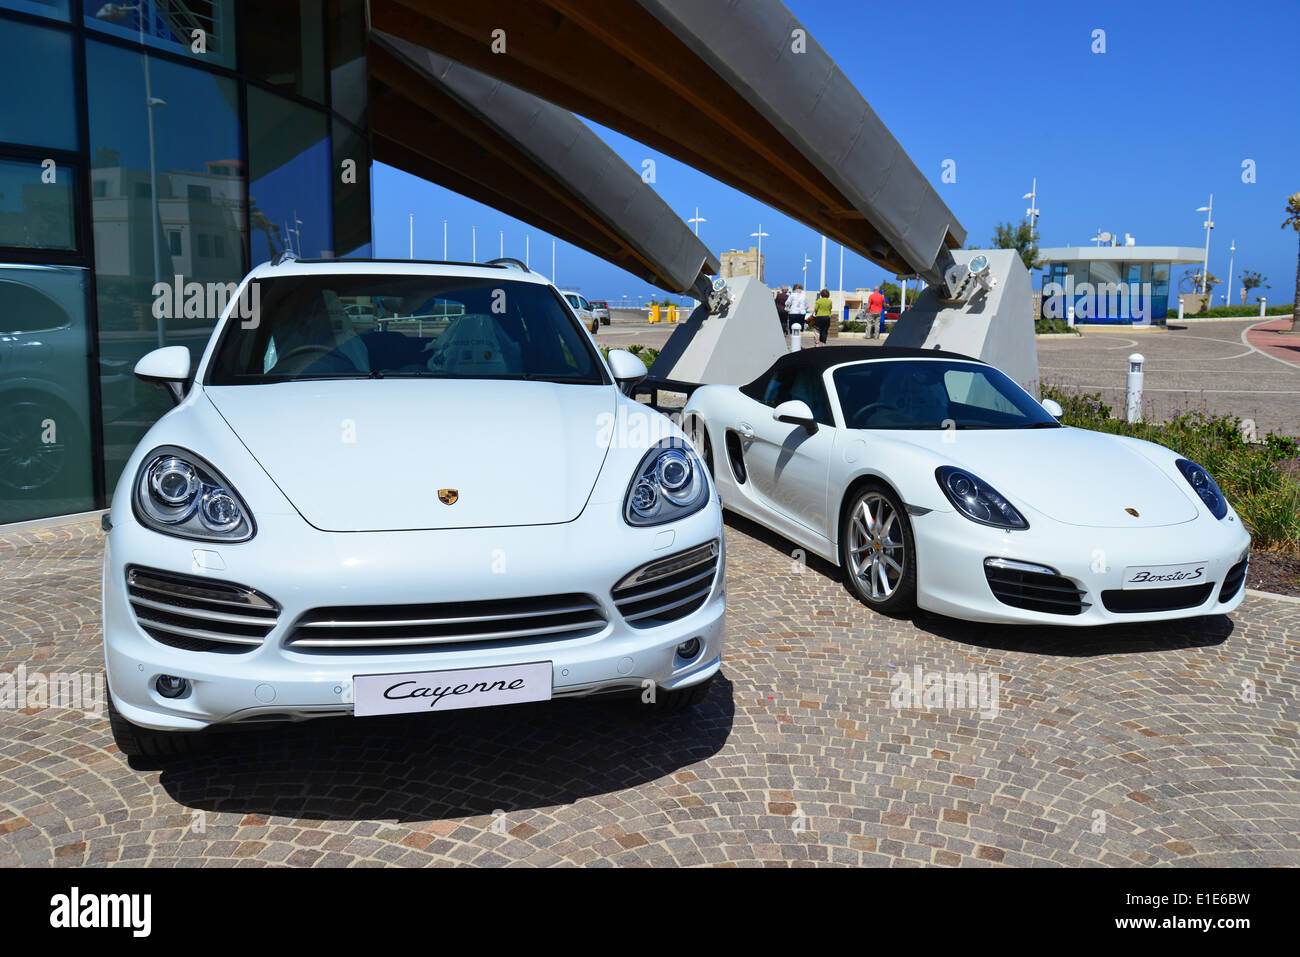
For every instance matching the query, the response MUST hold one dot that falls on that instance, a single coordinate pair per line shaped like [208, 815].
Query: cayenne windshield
[934, 394]
[401, 326]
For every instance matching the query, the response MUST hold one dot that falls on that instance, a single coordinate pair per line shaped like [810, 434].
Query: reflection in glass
[45, 424]
[55, 9]
[36, 208]
[351, 198]
[36, 76]
[289, 196]
[346, 26]
[202, 29]
[284, 46]
[199, 182]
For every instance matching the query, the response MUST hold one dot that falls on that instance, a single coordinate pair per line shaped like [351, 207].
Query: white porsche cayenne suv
[402, 487]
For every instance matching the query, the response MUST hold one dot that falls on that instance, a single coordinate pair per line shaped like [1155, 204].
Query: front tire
[137, 742]
[878, 550]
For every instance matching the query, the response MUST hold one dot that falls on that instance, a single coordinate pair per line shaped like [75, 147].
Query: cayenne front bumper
[276, 679]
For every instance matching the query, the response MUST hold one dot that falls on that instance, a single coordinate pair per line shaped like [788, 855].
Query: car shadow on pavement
[458, 764]
[1204, 632]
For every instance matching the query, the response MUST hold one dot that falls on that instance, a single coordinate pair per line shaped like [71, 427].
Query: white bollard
[1180, 307]
[1262, 303]
[796, 337]
[1134, 388]
[1069, 315]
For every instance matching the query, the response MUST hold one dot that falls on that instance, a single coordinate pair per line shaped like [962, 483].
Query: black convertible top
[820, 359]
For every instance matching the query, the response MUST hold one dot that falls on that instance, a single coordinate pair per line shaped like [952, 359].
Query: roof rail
[508, 261]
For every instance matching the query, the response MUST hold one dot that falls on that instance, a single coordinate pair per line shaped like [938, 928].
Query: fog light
[169, 686]
[689, 649]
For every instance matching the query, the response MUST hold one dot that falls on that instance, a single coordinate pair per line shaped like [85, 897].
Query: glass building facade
[1106, 291]
[148, 150]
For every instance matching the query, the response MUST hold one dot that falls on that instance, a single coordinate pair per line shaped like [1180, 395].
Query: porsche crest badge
[448, 496]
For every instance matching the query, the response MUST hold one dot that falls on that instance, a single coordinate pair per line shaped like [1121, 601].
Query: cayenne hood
[1073, 476]
[374, 455]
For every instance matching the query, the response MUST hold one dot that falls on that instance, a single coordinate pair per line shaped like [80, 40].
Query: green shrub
[1257, 477]
[1044, 327]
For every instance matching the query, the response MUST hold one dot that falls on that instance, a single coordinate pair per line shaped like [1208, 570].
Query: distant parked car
[601, 308]
[583, 309]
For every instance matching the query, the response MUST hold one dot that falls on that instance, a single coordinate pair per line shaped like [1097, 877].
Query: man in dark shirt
[782, 295]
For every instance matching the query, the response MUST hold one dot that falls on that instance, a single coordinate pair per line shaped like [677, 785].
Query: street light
[1208, 225]
[112, 13]
[1232, 253]
[697, 219]
[806, 260]
[758, 263]
[1032, 211]
[444, 240]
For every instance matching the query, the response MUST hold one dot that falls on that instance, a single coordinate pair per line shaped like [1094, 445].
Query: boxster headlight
[978, 500]
[1204, 485]
[668, 484]
[177, 493]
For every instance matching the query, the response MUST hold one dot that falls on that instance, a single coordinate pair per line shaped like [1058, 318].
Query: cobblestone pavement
[1123, 746]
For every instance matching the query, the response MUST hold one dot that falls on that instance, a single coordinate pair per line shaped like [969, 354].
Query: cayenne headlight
[177, 493]
[978, 500]
[668, 484]
[1204, 485]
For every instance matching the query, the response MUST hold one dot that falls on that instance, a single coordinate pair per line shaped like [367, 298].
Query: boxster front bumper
[953, 578]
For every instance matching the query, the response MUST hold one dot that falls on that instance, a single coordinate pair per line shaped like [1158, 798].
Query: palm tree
[1293, 220]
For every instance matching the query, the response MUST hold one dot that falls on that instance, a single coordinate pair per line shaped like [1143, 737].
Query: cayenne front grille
[1033, 587]
[1233, 581]
[199, 614]
[397, 628]
[1136, 601]
[669, 588]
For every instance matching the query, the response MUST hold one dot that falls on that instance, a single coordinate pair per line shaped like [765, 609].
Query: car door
[787, 463]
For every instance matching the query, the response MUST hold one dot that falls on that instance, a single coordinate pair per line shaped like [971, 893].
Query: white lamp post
[697, 219]
[758, 264]
[1232, 253]
[1032, 211]
[1208, 224]
[444, 240]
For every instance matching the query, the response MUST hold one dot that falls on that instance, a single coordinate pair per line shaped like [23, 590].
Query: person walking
[797, 307]
[822, 315]
[782, 295]
[875, 313]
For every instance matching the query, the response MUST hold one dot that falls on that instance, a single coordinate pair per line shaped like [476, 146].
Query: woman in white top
[796, 306]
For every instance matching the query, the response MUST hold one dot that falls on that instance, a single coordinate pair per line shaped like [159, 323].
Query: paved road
[1206, 365]
[1124, 746]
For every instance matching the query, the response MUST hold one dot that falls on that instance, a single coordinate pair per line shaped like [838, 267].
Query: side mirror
[1053, 408]
[168, 367]
[628, 369]
[795, 412]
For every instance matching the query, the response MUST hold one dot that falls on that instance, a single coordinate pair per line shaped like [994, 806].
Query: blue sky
[1131, 140]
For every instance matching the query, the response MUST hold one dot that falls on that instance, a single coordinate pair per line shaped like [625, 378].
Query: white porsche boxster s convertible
[936, 481]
